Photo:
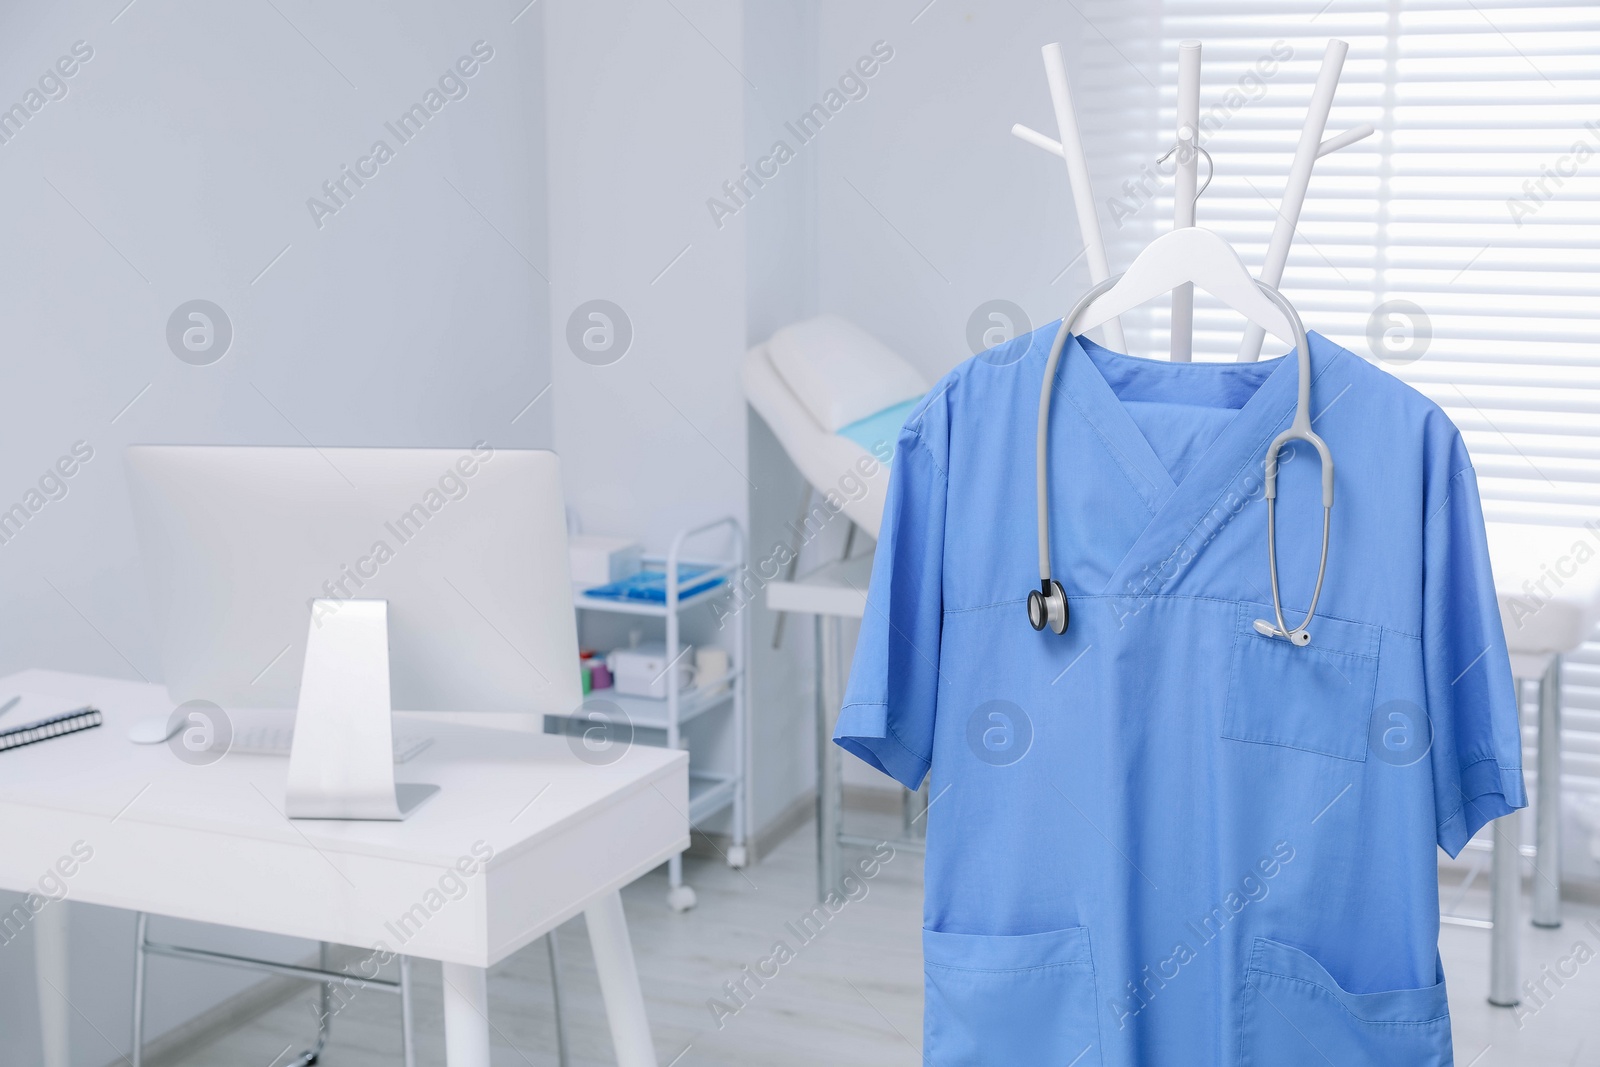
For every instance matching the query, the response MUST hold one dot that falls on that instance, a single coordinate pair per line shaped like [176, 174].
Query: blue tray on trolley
[650, 586]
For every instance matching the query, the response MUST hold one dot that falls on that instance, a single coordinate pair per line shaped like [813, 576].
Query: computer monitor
[468, 546]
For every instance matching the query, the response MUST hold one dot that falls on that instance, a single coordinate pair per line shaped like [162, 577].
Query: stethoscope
[1047, 605]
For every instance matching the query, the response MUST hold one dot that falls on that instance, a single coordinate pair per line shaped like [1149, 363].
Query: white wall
[929, 207]
[645, 122]
[178, 166]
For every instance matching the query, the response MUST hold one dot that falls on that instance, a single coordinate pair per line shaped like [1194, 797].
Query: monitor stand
[341, 762]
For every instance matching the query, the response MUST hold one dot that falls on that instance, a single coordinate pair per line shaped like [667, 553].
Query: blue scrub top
[1163, 838]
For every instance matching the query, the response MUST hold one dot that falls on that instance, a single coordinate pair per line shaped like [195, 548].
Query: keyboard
[275, 741]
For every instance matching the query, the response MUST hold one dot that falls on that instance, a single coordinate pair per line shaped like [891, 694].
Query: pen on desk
[8, 705]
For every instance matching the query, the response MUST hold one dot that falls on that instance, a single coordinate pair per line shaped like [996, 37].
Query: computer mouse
[153, 731]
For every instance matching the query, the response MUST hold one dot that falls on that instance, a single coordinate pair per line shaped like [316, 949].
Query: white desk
[211, 843]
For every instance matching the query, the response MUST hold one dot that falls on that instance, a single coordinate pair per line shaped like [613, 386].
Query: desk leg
[1547, 810]
[466, 1015]
[619, 982]
[50, 971]
[828, 771]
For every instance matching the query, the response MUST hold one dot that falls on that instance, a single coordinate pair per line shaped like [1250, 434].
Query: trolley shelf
[660, 610]
[652, 712]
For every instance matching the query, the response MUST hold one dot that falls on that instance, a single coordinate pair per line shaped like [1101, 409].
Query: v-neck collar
[1178, 509]
[1088, 391]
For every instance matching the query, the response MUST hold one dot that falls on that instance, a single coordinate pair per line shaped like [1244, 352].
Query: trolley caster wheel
[681, 898]
[738, 857]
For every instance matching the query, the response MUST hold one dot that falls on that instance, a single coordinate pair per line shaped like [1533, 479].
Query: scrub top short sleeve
[887, 718]
[1472, 702]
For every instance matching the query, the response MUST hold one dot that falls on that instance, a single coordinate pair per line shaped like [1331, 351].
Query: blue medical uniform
[1163, 838]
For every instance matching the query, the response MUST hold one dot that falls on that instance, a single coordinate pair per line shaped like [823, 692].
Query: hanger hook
[1211, 166]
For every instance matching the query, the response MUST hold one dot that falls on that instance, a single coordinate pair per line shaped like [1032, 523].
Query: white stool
[1549, 604]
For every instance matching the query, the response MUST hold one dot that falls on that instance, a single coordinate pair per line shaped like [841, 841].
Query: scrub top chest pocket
[1316, 699]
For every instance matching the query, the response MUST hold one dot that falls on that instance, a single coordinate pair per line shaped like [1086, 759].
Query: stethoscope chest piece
[1047, 606]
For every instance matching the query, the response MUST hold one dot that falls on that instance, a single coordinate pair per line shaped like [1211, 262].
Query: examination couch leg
[1547, 809]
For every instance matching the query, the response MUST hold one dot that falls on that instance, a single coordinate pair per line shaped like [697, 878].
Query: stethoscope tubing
[1299, 430]
[1042, 439]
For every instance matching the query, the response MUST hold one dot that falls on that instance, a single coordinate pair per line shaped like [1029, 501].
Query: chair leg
[408, 1046]
[324, 1000]
[324, 1015]
[555, 995]
[141, 923]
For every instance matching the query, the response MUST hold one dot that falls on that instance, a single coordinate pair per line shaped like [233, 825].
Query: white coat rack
[1070, 148]
[1187, 150]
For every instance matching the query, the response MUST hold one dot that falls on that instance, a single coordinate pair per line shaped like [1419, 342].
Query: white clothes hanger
[1190, 255]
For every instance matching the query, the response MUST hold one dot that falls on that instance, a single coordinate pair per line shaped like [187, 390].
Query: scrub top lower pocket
[1293, 1012]
[1009, 1000]
[1316, 698]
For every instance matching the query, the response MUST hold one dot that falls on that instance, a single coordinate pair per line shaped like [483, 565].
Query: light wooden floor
[851, 996]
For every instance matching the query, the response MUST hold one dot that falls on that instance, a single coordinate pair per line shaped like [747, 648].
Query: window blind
[1459, 246]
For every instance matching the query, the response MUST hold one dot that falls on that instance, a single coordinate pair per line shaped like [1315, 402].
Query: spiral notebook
[67, 722]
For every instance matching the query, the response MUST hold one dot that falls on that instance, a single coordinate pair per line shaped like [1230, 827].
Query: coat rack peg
[1345, 139]
[1294, 191]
